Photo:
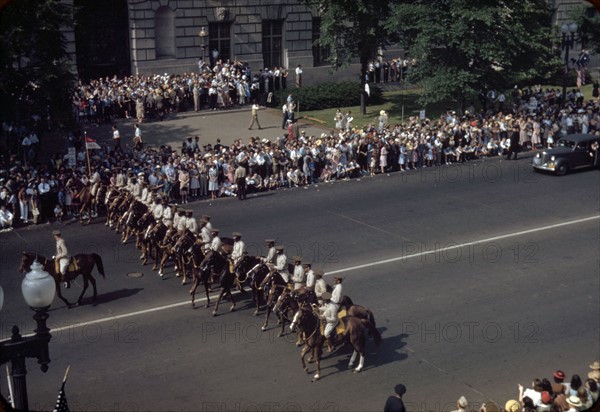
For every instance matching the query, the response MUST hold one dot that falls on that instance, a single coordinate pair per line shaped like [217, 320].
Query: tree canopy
[35, 77]
[353, 29]
[463, 46]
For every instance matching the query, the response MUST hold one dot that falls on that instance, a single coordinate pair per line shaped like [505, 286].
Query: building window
[320, 54]
[272, 42]
[164, 22]
[219, 38]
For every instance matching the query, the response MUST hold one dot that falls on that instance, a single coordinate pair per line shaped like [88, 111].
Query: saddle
[73, 266]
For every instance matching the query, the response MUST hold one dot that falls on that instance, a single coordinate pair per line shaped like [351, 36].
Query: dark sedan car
[571, 152]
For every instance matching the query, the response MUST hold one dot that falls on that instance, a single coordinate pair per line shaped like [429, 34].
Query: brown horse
[85, 266]
[309, 323]
[85, 199]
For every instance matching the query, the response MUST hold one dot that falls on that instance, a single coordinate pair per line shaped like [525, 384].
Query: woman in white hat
[383, 121]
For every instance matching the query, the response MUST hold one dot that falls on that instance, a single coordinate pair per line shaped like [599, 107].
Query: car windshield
[566, 143]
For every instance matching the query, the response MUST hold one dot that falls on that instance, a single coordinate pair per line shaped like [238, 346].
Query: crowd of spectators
[32, 191]
[548, 395]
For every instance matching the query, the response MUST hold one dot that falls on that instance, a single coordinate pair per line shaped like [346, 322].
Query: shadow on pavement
[111, 296]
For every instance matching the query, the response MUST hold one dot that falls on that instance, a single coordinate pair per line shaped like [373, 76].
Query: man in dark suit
[394, 403]
[514, 144]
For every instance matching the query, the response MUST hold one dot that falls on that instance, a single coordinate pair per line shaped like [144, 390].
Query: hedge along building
[162, 36]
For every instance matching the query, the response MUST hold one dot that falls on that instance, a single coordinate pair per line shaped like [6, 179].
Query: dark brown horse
[85, 266]
[309, 323]
[252, 270]
[217, 264]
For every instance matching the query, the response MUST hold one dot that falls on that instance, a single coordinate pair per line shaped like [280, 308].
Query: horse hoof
[206, 306]
[280, 335]
[214, 313]
[255, 313]
[264, 328]
[160, 274]
[232, 309]
[305, 370]
[357, 370]
[316, 377]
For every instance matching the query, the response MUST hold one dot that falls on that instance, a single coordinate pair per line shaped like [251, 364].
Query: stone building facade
[162, 36]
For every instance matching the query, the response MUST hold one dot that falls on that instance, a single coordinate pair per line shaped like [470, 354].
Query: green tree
[35, 76]
[463, 46]
[588, 21]
[353, 29]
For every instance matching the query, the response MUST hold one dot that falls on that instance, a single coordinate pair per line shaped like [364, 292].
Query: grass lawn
[393, 104]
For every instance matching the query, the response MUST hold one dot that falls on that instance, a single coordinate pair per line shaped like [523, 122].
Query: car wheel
[562, 169]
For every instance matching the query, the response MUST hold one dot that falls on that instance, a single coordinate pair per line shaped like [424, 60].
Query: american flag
[61, 402]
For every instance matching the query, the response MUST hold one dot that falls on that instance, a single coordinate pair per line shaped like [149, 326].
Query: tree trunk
[363, 81]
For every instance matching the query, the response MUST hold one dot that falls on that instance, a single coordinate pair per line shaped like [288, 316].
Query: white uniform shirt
[320, 287]
[205, 233]
[238, 250]
[271, 255]
[215, 244]
[280, 262]
[191, 225]
[310, 278]
[298, 276]
[181, 223]
[336, 295]
[158, 211]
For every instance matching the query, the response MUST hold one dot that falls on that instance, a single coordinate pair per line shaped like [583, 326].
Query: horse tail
[371, 318]
[99, 263]
[372, 330]
[346, 302]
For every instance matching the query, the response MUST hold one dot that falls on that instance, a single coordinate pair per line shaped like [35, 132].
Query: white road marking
[366, 265]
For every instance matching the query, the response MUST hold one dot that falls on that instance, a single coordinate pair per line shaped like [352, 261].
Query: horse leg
[267, 314]
[303, 352]
[232, 300]
[317, 354]
[214, 313]
[282, 323]
[256, 297]
[352, 359]
[361, 362]
[93, 282]
[85, 287]
[61, 297]
[207, 294]
[162, 265]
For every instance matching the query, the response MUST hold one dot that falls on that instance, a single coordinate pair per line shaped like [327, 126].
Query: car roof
[580, 137]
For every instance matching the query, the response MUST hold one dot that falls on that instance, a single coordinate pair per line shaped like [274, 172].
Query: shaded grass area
[401, 104]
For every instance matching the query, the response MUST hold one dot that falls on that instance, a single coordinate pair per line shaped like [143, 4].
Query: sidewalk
[227, 125]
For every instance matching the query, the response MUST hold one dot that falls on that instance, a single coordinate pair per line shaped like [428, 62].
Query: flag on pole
[91, 144]
[61, 401]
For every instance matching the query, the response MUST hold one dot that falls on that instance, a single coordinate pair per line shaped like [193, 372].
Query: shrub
[328, 95]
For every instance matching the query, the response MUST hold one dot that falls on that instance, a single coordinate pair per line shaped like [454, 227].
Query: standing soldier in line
[61, 256]
[298, 275]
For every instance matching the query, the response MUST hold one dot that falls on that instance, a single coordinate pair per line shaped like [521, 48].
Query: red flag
[91, 144]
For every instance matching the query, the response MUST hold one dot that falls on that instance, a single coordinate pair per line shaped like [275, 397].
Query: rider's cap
[56, 232]
[297, 259]
[214, 231]
[339, 279]
[206, 217]
[237, 234]
[269, 241]
[326, 295]
[279, 248]
[319, 273]
[306, 264]
[189, 212]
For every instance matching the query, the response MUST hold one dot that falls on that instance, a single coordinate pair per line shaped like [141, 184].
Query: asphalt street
[481, 276]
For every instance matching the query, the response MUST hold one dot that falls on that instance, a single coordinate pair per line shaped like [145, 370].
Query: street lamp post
[569, 31]
[38, 289]
[203, 40]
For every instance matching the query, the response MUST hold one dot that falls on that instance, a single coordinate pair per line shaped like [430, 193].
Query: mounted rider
[310, 275]
[320, 285]
[215, 243]
[336, 294]
[190, 222]
[239, 248]
[329, 312]
[280, 263]
[61, 256]
[298, 275]
[272, 253]
[204, 231]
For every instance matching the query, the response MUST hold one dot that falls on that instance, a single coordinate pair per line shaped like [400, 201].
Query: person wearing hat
[270, 258]
[298, 275]
[329, 312]
[310, 275]
[238, 248]
[116, 137]
[383, 121]
[190, 222]
[215, 243]
[208, 224]
[575, 403]
[180, 221]
[157, 210]
[239, 178]
[320, 285]
[204, 231]
[336, 294]
[394, 403]
[281, 262]
[558, 387]
[168, 211]
[62, 255]
[512, 406]
[461, 404]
